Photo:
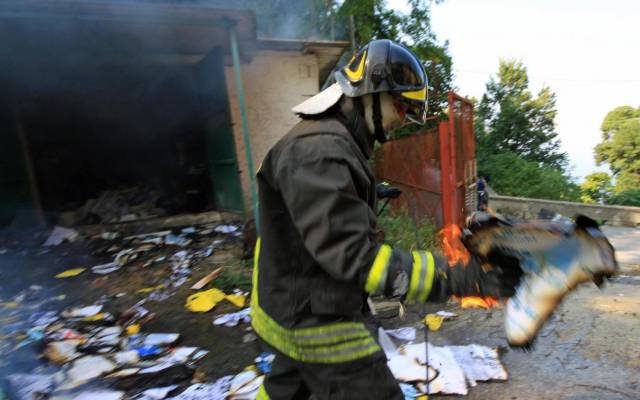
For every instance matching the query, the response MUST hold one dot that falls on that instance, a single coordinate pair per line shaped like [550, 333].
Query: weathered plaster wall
[274, 82]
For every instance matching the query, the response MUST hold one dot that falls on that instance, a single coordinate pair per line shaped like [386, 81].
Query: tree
[510, 119]
[511, 175]
[620, 147]
[596, 188]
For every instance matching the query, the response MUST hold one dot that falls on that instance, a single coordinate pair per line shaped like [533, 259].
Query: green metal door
[221, 150]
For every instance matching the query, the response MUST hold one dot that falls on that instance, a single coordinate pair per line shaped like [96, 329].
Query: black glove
[497, 277]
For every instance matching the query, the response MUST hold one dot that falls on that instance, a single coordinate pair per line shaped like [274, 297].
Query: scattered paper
[157, 393]
[446, 314]
[206, 391]
[86, 368]
[70, 273]
[30, 386]
[406, 333]
[479, 363]
[245, 383]
[60, 234]
[100, 395]
[233, 319]
[104, 269]
[61, 352]
[450, 367]
[226, 228]
[82, 312]
[161, 339]
[126, 357]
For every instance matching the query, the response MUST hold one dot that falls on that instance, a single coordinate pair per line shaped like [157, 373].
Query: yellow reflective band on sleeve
[420, 95]
[356, 75]
[414, 282]
[262, 394]
[428, 284]
[422, 275]
[378, 273]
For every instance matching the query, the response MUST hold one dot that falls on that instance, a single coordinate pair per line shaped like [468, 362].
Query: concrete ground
[589, 349]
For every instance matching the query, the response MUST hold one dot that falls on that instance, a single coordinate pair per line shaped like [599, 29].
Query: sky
[587, 52]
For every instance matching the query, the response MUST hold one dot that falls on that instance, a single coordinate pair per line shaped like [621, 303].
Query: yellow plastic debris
[9, 305]
[70, 273]
[205, 300]
[236, 300]
[150, 289]
[433, 321]
[133, 329]
[96, 317]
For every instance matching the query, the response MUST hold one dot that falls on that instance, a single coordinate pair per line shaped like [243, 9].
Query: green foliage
[402, 231]
[595, 188]
[232, 278]
[510, 119]
[511, 175]
[620, 147]
[629, 197]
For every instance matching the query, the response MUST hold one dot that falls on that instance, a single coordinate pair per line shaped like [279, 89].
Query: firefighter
[317, 257]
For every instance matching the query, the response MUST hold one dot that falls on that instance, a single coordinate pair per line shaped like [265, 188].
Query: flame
[452, 246]
[455, 251]
[478, 302]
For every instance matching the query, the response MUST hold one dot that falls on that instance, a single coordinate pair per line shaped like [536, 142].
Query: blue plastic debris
[409, 391]
[146, 351]
[264, 361]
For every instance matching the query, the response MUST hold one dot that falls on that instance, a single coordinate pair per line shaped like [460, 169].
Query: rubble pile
[88, 352]
[119, 205]
[93, 355]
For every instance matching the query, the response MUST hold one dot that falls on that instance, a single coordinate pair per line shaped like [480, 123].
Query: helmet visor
[406, 71]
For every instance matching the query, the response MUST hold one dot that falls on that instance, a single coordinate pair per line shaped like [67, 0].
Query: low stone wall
[530, 208]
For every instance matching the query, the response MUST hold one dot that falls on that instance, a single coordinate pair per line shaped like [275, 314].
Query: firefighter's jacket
[318, 256]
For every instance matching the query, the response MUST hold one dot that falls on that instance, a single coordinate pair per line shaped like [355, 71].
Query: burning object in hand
[555, 256]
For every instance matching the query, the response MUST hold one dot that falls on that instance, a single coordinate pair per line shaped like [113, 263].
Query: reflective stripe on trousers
[332, 343]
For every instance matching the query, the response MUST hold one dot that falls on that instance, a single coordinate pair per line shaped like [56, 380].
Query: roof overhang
[112, 30]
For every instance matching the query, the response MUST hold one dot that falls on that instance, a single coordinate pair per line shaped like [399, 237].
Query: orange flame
[455, 251]
[452, 246]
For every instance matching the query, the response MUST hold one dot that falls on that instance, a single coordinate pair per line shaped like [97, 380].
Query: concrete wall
[274, 82]
[529, 208]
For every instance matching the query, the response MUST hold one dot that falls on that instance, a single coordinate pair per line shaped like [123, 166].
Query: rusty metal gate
[435, 169]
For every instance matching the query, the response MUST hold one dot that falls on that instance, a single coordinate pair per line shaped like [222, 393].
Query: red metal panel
[447, 188]
[412, 164]
[435, 169]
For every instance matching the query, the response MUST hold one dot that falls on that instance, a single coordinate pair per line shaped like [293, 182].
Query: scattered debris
[70, 273]
[59, 235]
[406, 333]
[86, 368]
[433, 321]
[82, 312]
[449, 367]
[208, 278]
[205, 301]
[233, 319]
[104, 269]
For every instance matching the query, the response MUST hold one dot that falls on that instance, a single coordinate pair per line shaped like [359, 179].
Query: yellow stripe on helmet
[420, 95]
[356, 75]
